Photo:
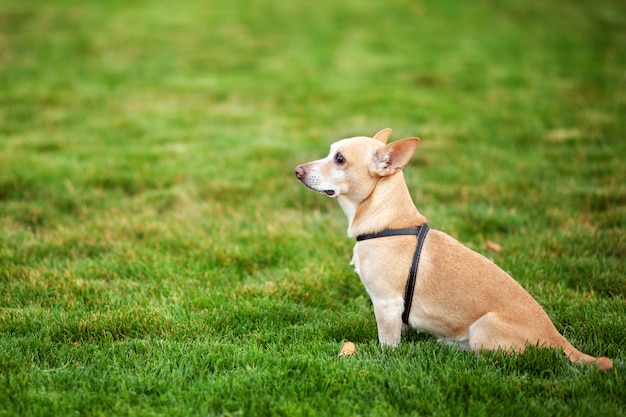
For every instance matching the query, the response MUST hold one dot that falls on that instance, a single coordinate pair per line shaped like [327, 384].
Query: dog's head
[354, 166]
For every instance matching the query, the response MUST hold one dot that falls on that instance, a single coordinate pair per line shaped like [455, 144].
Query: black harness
[420, 232]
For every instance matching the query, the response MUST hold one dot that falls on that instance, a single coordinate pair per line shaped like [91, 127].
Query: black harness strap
[420, 232]
[392, 232]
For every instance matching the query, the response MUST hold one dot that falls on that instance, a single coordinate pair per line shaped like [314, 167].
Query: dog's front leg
[389, 320]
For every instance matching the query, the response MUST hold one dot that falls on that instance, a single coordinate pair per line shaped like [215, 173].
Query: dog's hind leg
[491, 332]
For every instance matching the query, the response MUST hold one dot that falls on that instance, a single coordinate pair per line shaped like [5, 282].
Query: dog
[457, 295]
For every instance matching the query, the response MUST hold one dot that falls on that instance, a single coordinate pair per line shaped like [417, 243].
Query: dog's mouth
[330, 193]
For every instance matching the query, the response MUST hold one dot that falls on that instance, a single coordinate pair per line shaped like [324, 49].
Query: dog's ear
[393, 157]
[383, 135]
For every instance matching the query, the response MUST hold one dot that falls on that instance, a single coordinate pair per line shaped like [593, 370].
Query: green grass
[158, 257]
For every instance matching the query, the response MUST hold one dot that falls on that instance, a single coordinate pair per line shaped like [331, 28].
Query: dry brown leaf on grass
[493, 246]
[347, 349]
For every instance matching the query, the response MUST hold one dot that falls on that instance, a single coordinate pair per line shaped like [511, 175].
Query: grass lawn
[158, 256]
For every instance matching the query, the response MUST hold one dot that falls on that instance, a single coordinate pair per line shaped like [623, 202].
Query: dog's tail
[603, 363]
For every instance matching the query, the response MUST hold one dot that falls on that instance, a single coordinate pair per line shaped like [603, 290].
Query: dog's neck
[389, 206]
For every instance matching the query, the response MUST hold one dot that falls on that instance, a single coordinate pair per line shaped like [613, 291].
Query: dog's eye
[339, 159]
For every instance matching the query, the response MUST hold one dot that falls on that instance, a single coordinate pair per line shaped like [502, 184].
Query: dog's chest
[365, 278]
[355, 261]
[381, 274]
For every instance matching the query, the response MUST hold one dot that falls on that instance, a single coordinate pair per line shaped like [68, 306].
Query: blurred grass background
[157, 256]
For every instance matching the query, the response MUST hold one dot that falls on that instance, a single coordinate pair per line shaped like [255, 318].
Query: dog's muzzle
[301, 174]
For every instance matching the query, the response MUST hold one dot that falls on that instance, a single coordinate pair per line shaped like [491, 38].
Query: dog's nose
[300, 171]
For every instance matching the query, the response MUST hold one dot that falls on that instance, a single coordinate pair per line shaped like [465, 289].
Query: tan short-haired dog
[426, 279]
